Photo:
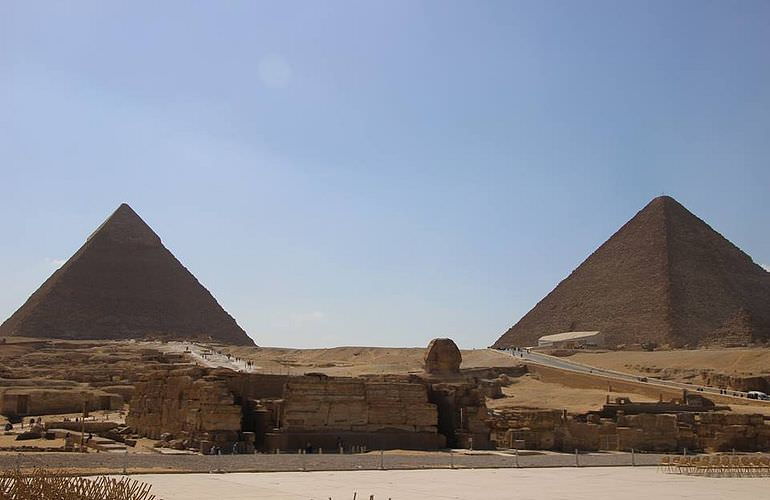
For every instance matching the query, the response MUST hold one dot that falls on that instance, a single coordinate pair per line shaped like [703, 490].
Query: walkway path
[564, 364]
[208, 356]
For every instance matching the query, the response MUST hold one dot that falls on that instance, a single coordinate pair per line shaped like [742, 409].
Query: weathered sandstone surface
[555, 430]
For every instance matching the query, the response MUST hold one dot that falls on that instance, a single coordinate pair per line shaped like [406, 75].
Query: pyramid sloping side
[666, 277]
[621, 289]
[123, 283]
[716, 289]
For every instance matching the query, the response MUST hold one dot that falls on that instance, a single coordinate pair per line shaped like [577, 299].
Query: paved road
[563, 364]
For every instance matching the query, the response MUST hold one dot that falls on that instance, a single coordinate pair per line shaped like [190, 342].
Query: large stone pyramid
[123, 283]
[666, 277]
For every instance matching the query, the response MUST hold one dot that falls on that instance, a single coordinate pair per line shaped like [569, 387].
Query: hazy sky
[377, 173]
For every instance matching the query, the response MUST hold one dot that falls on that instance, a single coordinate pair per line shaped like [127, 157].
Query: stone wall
[375, 412]
[190, 403]
[25, 401]
[648, 432]
[554, 430]
[533, 430]
[320, 403]
[723, 432]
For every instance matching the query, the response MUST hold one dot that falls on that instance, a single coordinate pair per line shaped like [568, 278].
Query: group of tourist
[32, 423]
[217, 450]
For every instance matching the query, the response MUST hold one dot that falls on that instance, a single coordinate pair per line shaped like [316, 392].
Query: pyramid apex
[665, 204]
[663, 199]
[125, 208]
[125, 226]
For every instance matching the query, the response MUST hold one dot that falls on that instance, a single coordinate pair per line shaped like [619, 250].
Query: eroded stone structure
[663, 432]
[442, 357]
[376, 412]
[205, 408]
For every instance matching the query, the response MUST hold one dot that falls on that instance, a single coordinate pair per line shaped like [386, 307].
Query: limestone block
[386, 414]
[736, 419]
[424, 414]
[302, 405]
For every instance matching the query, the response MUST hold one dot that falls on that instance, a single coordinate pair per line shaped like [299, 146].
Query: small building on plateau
[572, 340]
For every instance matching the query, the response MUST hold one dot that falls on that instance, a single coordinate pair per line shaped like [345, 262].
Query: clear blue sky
[377, 173]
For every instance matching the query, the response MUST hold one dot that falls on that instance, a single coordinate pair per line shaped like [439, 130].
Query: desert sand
[353, 361]
[729, 361]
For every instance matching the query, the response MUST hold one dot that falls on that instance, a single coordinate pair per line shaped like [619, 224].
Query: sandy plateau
[355, 361]
[682, 365]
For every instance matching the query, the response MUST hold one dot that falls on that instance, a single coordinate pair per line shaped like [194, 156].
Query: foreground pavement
[589, 483]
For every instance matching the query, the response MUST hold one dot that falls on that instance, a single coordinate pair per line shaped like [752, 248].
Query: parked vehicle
[757, 395]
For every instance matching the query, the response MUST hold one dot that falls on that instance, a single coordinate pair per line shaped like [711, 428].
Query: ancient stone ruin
[666, 278]
[203, 408]
[44, 377]
[671, 426]
[123, 284]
